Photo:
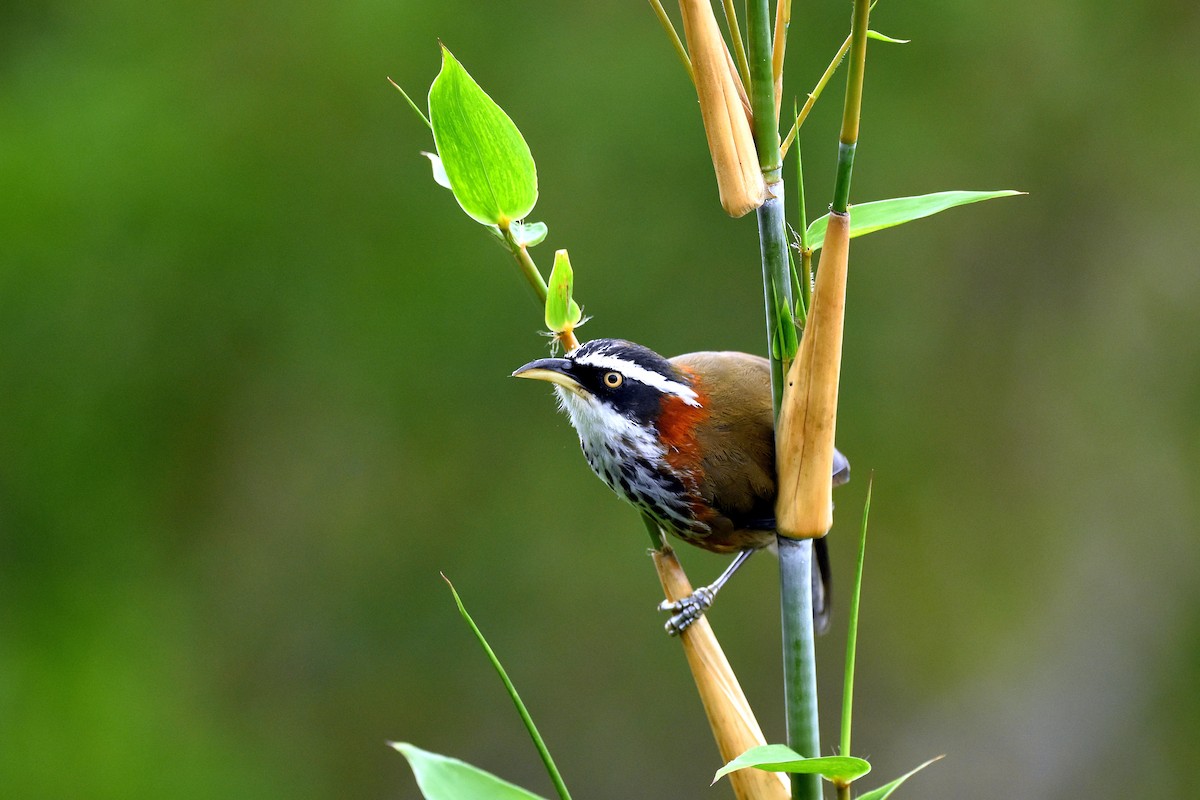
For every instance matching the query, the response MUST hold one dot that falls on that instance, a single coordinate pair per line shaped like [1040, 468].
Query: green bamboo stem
[762, 89]
[795, 556]
[852, 110]
[799, 659]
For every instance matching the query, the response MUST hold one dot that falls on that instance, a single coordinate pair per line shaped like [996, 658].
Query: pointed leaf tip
[885, 791]
[488, 164]
[879, 214]
[880, 37]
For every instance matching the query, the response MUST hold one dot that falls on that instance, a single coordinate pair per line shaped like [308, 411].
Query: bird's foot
[687, 610]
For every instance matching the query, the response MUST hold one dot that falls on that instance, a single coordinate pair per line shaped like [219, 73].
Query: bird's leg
[687, 610]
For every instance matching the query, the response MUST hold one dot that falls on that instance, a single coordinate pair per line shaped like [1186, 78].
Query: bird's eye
[613, 379]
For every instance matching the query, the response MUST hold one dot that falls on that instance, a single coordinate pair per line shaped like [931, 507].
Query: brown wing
[738, 444]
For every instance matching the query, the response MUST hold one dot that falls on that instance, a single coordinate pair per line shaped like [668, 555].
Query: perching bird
[689, 441]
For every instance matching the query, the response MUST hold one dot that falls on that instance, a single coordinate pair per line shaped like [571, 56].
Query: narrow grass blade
[516, 698]
[781, 758]
[852, 635]
[444, 778]
[885, 791]
[879, 214]
[412, 105]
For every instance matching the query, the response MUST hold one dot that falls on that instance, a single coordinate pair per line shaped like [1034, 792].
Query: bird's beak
[551, 370]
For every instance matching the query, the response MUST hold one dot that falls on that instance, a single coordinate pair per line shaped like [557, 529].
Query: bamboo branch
[783, 18]
[733, 724]
[665, 21]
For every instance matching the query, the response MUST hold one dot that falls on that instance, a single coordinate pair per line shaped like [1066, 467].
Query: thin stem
[739, 49]
[814, 94]
[806, 279]
[529, 270]
[802, 211]
[680, 50]
[783, 18]
[533, 277]
[852, 634]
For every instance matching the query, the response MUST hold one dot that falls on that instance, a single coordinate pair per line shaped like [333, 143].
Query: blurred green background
[246, 418]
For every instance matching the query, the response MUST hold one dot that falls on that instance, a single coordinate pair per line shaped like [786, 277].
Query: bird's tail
[821, 586]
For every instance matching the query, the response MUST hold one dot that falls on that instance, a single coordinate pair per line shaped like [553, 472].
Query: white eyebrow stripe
[639, 373]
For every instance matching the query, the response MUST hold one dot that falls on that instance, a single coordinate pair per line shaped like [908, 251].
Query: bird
[688, 441]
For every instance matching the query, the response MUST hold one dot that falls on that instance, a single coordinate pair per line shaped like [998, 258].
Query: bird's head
[609, 381]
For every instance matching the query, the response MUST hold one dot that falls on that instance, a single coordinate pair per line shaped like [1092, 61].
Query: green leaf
[870, 217]
[439, 172]
[781, 758]
[444, 778]
[562, 312]
[785, 331]
[885, 791]
[487, 161]
[876, 35]
[529, 233]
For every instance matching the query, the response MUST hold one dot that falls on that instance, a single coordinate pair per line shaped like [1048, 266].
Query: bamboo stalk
[733, 724]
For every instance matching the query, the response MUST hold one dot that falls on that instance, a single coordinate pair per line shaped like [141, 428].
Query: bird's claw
[687, 610]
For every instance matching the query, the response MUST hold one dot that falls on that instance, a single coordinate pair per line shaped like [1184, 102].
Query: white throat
[628, 457]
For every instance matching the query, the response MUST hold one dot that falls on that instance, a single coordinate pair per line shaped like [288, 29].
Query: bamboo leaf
[781, 758]
[885, 791]
[487, 161]
[444, 778]
[562, 312]
[879, 214]
[879, 37]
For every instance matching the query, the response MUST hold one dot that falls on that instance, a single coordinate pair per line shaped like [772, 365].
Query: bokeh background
[254, 397]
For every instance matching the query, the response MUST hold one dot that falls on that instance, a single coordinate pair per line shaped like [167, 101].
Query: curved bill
[551, 370]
